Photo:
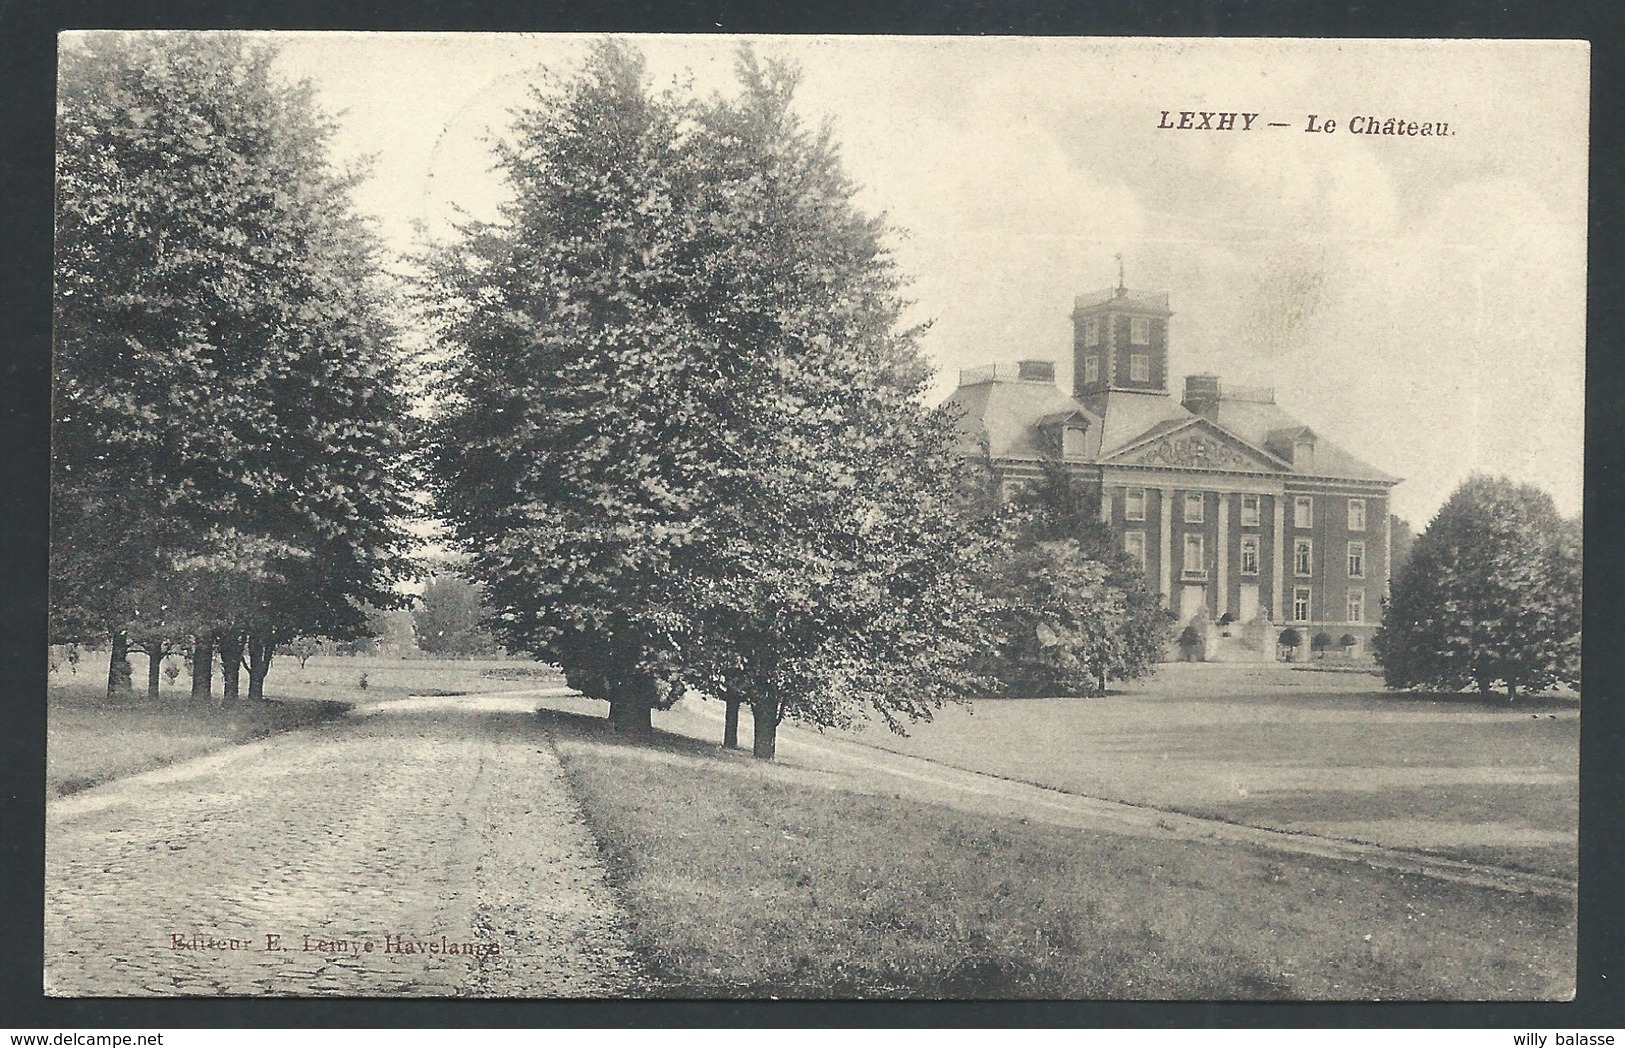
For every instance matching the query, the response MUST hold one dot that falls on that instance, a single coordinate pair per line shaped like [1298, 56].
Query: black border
[27, 35]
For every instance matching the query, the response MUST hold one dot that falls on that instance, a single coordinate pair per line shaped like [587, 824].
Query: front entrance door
[1249, 602]
[1192, 601]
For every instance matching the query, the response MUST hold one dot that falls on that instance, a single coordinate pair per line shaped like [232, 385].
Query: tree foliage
[1073, 610]
[682, 433]
[1491, 595]
[448, 618]
[227, 378]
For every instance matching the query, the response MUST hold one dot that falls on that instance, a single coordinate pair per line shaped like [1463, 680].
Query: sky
[1418, 300]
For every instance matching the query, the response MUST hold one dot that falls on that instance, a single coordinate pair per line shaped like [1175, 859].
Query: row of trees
[230, 422]
[678, 418]
[679, 423]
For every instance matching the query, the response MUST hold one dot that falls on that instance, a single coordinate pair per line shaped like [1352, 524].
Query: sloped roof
[1255, 423]
[1008, 415]
[1129, 417]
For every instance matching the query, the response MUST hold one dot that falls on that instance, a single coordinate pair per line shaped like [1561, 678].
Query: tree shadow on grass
[599, 730]
[1545, 702]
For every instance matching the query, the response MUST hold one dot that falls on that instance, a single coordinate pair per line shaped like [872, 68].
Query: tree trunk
[155, 667]
[202, 669]
[765, 718]
[259, 664]
[118, 664]
[1512, 691]
[631, 717]
[730, 726]
[231, 667]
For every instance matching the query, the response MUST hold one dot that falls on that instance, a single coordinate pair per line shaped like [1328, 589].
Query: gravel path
[429, 849]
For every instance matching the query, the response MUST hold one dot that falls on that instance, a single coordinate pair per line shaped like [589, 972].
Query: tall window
[1194, 504]
[1300, 604]
[1091, 331]
[1303, 512]
[1139, 368]
[1356, 514]
[1194, 562]
[1356, 560]
[1134, 546]
[1249, 554]
[1356, 605]
[1091, 368]
[1139, 331]
[1303, 557]
[1134, 504]
[1249, 511]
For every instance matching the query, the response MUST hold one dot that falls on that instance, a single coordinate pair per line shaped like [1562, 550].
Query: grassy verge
[748, 881]
[90, 740]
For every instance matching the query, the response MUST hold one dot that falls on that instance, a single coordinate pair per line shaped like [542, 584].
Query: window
[1249, 511]
[1303, 512]
[1356, 605]
[1300, 604]
[1134, 504]
[1303, 557]
[1249, 554]
[1356, 562]
[1195, 503]
[1194, 562]
[1139, 368]
[1134, 546]
[1356, 514]
[1091, 369]
[1091, 331]
[1139, 331]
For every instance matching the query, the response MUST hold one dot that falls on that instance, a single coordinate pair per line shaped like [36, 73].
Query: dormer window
[1303, 453]
[1139, 331]
[1072, 441]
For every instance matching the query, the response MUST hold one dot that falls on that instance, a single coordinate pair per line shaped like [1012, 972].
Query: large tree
[682, 435]
[1491, 595]
[225, 363]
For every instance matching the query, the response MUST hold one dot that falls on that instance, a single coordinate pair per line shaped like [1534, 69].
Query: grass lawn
[749, 880]
[90, 740]
[1327, 753]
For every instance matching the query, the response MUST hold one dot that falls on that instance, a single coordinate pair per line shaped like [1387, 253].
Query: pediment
[1197, 444]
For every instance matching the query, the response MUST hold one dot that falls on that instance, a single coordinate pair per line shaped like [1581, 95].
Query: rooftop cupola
[1120, 341]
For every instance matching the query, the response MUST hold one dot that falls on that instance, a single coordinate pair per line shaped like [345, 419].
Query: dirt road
[420, 848]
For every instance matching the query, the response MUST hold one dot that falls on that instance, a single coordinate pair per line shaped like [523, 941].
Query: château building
[1232, 506]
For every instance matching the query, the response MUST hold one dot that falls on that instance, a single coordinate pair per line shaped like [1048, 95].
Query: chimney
[1036, 371]
[1202, 395]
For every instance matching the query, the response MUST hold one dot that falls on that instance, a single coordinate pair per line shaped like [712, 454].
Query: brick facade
[1205, 488]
